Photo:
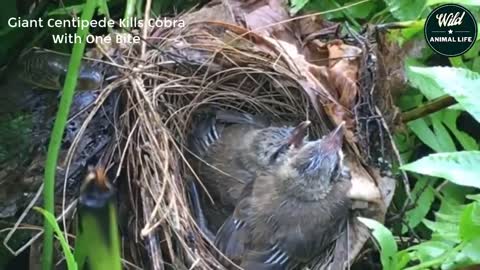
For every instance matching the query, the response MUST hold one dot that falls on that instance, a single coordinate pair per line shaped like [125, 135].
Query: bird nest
[287, 68]
[165, 81]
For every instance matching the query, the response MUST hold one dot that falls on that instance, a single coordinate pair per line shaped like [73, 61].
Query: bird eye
[281, 150]
[336, 170]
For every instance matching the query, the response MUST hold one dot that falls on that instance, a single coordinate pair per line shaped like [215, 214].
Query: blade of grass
[130, 9]
[384, 237]
[139, 7]
[71, 264]
[57, 133]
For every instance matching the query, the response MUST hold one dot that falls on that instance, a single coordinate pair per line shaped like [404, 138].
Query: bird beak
[298, 134]
[335, 138]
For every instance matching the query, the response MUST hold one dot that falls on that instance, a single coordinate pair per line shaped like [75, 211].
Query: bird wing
[210, 123]
[256, 262]
[288, 234]
[335, 257]
[272, 255]
[238, 241]
[205, 133]
[289, 249]
[232, 236]
[234, 117]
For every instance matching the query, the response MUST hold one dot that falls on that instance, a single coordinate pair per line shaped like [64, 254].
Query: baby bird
[228, 148]
[293, 213]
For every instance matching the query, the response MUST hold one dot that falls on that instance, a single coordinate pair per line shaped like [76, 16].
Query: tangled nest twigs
[221, 64]
[290, 71]
[161, 105]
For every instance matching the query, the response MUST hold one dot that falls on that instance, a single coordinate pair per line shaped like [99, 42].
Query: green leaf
[462, 84]
[103, 8]
[405, 10]
[443, 231]
[384, 237]
[473, 52]
[449, 218]
[439, 139]
[403, 258]
[470, 222]
[355, 10]
[427, 85]
[71, 264]
[410, 33]
[467, 256]
[443, 137]
[410, 100]
[461, 2]
[472, 251]
[453, 198]
[454, 241]
[75, 9]
[407, 30]
[450, 207]
[420, 128]
[457, 61]
[405, 145]
[425, 199]
[297, 5]
[461, 168]
[403, 141]
[361, 11]
[475, 197]
[450, 119]
[476, 64]
[429, 250]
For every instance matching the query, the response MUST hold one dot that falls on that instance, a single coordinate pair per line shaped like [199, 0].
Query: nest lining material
[207, 65]
[162, 110]
[217, 64]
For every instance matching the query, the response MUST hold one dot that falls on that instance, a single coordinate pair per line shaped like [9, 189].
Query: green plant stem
[457, 62]
[376, 17]
[103, 5]
[71, 264]
[139, 9]
[57, 134]
[402, 25]
[437, 261]
[130, 9]
[430, 107]
[347, 15]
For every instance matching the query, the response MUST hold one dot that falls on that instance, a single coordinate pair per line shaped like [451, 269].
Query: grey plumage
[292, 213]
[228, 148]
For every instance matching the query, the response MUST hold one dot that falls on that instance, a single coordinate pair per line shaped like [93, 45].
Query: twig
[430, 107]
[148, 5]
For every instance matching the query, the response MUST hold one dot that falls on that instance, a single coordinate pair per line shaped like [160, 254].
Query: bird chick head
[96, 189]
[274, 144]
[317, 163]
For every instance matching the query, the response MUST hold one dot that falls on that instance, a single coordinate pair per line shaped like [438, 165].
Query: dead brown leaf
[343, 71]
[266, 17]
